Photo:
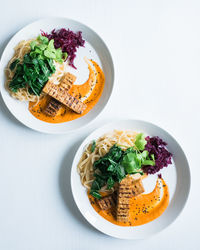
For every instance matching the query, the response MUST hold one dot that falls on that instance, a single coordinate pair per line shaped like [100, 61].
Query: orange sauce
[143, 208]
[65, 114]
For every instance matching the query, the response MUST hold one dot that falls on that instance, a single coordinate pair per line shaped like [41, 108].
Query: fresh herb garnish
[113, 167]
[131, 162]
[93, 146]
[95, 194]
[140, 141]
[14, 64]
[110, 182]
[134, 160]
[33, 72]
[46, 49]
[148, 163]
[109, 170]
[37, 66]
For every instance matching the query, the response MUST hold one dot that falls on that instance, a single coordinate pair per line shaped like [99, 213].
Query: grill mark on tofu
[60, 94]
[52, 107]
[106, 202]
[123, 199]
[67, 81]
[128, 188]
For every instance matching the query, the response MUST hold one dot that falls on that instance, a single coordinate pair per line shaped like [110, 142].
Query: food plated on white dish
[55, 71]
[126, 179]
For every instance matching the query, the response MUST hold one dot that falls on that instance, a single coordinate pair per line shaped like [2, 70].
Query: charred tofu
[60, 94]
[52, 107]
[128, 187]
[67, 81]
[106, 203]
[123, 199]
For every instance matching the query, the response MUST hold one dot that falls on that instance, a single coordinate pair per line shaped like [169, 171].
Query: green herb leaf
[140, 141]
[51, 65]
[120, 173]
[14, 64]
[93, 146]
[95, 194]
[41, 46]
[51, 45]
[58, 53]
[95, 185]
[138, 172]
[153, 157]
[148, 162]
[43, 39]
[33, 44]
[37, 50]
[145, 154]
[131, 162]
[65, 55]
[110, 182]
[109, 169]
[50, 54]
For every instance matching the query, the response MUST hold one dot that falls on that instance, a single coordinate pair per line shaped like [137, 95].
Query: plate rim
[39, 129]
[73, 169]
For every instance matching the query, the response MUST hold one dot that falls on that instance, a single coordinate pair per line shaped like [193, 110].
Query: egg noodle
[124, 139]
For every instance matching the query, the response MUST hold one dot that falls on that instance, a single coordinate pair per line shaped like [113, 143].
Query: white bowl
[95, 48]
[177, 177]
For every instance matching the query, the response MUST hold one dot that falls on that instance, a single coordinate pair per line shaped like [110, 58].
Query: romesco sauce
[143, 208]
[79, 91]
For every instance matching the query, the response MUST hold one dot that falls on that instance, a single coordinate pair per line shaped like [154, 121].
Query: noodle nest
[124, 139]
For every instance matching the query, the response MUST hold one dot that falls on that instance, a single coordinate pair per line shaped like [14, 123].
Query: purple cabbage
[67, 40]
[163, 157]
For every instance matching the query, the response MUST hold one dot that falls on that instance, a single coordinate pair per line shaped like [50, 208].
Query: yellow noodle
[125, 139]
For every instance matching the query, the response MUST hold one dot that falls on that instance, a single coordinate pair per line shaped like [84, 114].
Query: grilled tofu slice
[137, 187]
[67, 81]
[60, 94]
[106, 203]
[123, 199]
[128, 187]
[52, 107]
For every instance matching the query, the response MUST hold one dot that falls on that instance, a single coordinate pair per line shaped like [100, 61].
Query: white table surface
[156, 50]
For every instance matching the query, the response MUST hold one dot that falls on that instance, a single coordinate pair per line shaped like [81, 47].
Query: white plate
[177, 177]
[95, 48]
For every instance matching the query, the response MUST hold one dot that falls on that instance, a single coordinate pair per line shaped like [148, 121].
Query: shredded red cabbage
[67, 40]
[163, 157]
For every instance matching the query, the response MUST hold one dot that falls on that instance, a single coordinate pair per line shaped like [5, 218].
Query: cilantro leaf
[148, 163]
[43, 39]
[140, 141]
[131, 162]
